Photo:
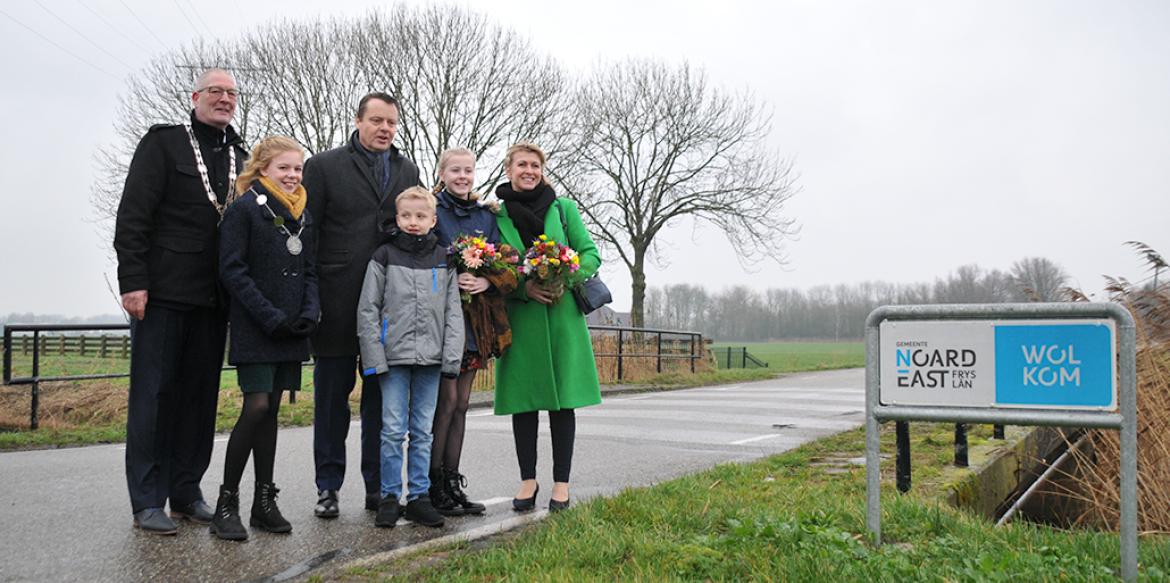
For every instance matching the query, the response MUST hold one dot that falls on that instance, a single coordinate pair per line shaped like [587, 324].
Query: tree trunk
[638, 289]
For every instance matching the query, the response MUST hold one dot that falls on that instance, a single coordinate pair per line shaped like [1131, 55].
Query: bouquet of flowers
[473, 254]
[550, 263]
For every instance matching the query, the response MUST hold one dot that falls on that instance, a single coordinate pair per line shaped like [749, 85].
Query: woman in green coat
[550, 365]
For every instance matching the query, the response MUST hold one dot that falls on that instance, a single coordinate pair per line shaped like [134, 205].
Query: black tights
[255, 431]
[451, 421]
[563, 425]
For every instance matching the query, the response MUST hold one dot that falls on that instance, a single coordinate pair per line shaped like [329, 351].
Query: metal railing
[39, 334]
[730, 356]
[691, 341]
[632, 343]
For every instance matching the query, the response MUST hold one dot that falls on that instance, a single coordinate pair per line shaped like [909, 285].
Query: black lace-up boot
[226, 522]
[265, 514]
[439, 497]
[455, 483]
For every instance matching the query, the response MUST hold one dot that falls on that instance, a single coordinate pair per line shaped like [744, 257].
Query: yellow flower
[544, 237]
[554, 261]
[534, 261]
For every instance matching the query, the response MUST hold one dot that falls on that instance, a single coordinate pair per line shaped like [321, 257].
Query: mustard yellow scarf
[294, 201]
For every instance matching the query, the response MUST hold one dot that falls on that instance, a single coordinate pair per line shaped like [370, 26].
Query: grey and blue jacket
[409, 312]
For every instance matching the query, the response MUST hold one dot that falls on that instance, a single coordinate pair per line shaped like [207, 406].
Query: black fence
[626, 348]
[736, 357]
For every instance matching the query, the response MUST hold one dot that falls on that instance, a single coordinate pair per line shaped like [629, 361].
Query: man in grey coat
[351, 196]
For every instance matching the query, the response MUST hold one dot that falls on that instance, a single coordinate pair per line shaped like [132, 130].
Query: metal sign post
[1066, 365]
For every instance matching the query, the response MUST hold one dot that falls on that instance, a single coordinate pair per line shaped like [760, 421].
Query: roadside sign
[1052, 364]
[1056, 364]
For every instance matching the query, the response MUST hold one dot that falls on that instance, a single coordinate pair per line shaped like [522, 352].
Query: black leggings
[563, 425]
[451, 421]
[255, 431]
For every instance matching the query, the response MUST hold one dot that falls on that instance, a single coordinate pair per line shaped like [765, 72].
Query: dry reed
[1094, 484]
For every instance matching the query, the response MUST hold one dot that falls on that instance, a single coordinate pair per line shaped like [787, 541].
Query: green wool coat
[550, 364]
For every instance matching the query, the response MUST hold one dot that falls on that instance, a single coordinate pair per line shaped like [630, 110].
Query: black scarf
[413, 244]
[527, 208]
[379, 162]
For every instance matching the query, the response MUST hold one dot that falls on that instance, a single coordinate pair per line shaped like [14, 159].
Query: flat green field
[800, 356]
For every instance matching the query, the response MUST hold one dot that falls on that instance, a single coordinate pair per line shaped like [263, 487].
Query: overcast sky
[927, 135]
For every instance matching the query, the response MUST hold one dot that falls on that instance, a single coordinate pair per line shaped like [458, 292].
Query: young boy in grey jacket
[410, 330]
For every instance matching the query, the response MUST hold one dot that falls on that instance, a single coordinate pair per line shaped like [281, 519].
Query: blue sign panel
[1068, 365]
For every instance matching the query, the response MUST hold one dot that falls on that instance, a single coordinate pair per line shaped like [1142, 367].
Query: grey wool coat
[410, 313]
[349, 207]
[267, 284]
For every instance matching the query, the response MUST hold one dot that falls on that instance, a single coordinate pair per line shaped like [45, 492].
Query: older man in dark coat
[351, 195]
[166, 240]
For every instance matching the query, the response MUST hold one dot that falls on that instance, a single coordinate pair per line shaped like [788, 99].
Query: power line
[114, 28]
[59, 47]
[185, 17]
[83, 36]
[135, 15]
[195, 11]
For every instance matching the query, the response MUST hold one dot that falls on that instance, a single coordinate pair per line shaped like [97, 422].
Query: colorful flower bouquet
[550, 263]
[473, 254]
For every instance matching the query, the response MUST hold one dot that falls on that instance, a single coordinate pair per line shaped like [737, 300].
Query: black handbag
[591, 293]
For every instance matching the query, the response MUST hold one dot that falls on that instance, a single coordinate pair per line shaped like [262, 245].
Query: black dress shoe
[526, 504]
[388, 511]
[558, 505]
[154, 521]
[198, 512]
[327, 504]
[373, 500]
[420, 511]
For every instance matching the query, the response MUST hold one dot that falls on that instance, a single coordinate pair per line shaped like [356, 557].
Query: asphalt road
[65, 515]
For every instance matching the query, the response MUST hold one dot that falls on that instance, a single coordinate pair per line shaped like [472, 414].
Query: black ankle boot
[226, 522]
[265, 514]
[439, 497]
[455, 483]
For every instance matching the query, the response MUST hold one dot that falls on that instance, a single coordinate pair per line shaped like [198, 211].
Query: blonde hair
[444, 159]
[263, 155]
[527, 147]
[416, 193]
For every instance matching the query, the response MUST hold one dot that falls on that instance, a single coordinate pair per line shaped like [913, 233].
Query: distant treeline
[838, 312]
[31, 318]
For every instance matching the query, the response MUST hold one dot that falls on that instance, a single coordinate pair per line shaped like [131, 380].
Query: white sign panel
[1052, 364]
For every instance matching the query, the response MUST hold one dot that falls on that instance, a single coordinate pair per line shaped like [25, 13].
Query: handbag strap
[564, 223]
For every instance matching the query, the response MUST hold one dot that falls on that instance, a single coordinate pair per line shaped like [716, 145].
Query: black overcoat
[349, 208]
[267, 284]
[165, 235]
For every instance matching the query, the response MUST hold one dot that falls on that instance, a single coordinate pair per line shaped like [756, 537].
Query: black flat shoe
[526, 504]
[558, 505]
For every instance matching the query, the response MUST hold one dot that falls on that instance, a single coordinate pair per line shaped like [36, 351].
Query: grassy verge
[798, 516]
[785, 357]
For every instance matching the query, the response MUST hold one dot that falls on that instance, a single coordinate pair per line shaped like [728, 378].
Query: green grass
[785, 357]
[798, 516]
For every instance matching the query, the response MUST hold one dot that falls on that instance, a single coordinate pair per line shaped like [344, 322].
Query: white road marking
[756, 438]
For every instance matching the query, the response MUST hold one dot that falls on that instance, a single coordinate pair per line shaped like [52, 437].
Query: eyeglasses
[219, 91]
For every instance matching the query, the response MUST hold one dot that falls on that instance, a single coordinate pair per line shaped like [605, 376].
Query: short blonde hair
[416, 193]
[530, 148]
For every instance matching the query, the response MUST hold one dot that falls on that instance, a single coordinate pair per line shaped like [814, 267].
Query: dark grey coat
[267, 284]
[348, 208]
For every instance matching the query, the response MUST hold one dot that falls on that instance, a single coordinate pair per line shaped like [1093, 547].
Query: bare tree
[658, 143]
[460, 79]
[463, 81]
[1038, 279]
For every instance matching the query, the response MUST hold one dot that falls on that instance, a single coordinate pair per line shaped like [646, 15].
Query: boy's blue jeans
[409, 394]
